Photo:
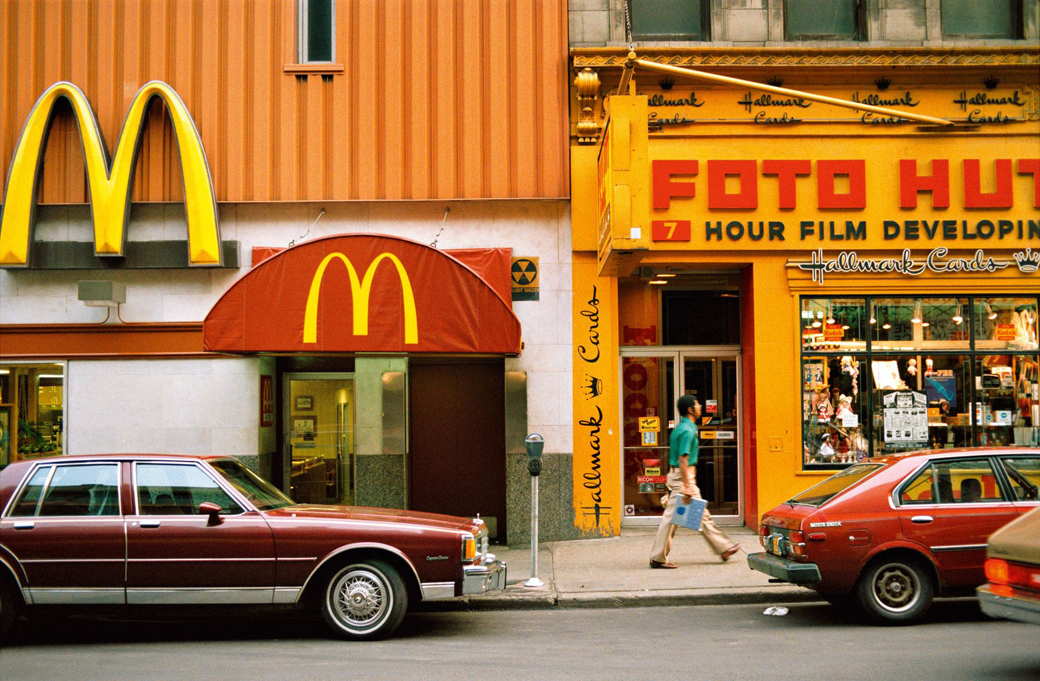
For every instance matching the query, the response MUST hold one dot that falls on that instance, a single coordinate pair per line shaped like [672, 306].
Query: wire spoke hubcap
[360, 598]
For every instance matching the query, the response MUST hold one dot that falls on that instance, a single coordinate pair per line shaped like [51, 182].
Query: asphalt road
[813, 641]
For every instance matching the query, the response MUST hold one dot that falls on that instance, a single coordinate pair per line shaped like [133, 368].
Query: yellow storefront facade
[832, 282]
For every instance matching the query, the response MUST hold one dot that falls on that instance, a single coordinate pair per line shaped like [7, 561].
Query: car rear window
[819, 494]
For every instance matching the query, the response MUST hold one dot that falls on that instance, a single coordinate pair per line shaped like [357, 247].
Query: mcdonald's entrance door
[319, 437]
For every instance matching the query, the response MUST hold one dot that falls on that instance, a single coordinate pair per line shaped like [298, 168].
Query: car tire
[896, 590]
[364, 601]
[9, 605]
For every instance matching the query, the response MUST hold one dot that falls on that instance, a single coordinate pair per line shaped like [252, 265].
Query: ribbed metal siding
[438, 99]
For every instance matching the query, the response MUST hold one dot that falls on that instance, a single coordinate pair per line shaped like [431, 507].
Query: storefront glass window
[32, 412]
[834, 324]
[834, 416]
[931, 372]
[1007, 400]
[1005, 324]
[648, 396]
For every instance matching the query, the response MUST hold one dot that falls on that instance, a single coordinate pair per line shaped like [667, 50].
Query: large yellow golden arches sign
[109, 182]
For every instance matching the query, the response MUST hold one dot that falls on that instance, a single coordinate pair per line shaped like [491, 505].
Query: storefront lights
[990, 314]
[658, 282]
[916, 319]
[958, 318]
[873, 319]
[830, 314]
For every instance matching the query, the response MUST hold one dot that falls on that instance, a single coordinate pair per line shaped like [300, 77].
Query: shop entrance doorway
[319, 437]
[652, 379]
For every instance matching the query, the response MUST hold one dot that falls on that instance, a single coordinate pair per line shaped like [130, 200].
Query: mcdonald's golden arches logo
[109, 182]
[361, 290]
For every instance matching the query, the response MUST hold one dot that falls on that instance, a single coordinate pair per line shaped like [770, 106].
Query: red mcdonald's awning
[364, 293]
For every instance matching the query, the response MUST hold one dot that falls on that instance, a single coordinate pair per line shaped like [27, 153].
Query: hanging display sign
[649, 424]
[937, 261]
[905, 418]
[266, 401]
[1005, 332]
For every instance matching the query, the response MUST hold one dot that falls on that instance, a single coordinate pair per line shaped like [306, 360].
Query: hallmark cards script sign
[937, 261]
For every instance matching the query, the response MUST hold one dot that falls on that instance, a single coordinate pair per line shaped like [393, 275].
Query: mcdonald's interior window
[317, 23]
[31, 411]
[834, 324]
[320, 436]
[654, 20]
[980, 18]
[822, 19]
[835, 411]
[1005, 324]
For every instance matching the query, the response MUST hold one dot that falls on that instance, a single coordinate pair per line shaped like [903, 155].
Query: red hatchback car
[893, 532]
[182, 530]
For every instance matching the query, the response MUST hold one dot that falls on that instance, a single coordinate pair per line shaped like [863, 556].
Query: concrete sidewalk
[615, 572]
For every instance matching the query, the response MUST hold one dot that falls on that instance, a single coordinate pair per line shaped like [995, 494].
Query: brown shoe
[729, 553]
[663, 566]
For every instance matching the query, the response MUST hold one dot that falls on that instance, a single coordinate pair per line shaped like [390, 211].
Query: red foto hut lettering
[733, 185]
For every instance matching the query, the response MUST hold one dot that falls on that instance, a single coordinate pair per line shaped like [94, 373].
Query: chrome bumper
[488, 576]
[784, 569]
[1018, 606]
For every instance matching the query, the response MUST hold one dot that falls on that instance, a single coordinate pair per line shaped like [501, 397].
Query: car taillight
[763, 532]
[1001, 572]
[996, 571]
[796, 544]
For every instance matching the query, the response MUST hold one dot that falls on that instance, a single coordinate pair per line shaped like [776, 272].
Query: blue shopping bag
[689, 515]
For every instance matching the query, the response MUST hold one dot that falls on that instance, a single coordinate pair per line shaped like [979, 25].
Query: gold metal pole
[679, 71]
[626, 75]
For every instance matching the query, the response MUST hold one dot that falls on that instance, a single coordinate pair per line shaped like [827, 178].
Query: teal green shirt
[684, 440]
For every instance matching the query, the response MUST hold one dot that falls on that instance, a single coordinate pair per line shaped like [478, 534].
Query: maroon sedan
[132, 529]
[892, 533]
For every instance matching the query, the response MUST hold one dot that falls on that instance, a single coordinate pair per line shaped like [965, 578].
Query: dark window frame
[1017, 23]
[859, 31]
[705, 35]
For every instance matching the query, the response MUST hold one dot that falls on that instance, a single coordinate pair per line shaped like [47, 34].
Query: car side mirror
[212, 510]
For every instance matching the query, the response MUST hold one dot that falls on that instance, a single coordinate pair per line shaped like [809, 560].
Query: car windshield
[819, 494]
[263, 495]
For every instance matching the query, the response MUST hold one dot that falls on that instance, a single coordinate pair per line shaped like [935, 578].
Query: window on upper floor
[823, 19]
[981, 18]
[317, 21]
[661, 20]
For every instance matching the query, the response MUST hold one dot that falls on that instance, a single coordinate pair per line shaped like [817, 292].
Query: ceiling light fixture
[958, 318]
[816, 323]
[990, 314]
[663, 275]
[916, 319]
[873, 319]
[886, 326]
[657, 282]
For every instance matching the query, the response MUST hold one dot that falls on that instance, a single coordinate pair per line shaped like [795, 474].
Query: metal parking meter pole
[534, 444]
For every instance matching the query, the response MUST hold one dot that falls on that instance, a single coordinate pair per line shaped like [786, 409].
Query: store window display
[930, 372]
[32, 411]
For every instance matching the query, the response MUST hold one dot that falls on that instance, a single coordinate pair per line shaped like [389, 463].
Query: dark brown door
[457, 443]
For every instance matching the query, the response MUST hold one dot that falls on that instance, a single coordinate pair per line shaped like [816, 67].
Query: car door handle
[922, 519]
[149, 523]
[24, 525]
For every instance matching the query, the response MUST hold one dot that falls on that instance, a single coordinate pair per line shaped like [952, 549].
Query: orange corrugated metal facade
[436, 99]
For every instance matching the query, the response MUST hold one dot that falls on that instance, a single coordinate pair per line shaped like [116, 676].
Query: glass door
[648, 393]
[319, 437]
[714, 380]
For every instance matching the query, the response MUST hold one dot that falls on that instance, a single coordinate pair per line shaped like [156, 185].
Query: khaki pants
[718, 542]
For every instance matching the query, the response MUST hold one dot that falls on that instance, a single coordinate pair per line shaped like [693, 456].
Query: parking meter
[534, 444]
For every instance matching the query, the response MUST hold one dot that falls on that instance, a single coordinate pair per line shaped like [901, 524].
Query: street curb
[625, 599]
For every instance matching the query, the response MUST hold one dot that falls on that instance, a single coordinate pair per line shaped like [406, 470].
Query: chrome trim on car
[77, 596]
[202, 560]
[958, 547]
[206, 469]
[285, 595]
[432, 591]
[489, 576]
[46, 487]
[1019, 606]
[201, 596]
[23, 524]
[362, 545]
[72, 560]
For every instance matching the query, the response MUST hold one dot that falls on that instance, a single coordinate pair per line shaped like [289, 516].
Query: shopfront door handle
[922, 519]
[24, 525]
[149, 523]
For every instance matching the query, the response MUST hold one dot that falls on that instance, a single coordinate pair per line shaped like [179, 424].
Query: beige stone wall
[760, 23]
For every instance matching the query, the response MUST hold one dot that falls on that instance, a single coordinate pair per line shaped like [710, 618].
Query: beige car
[1013, 571]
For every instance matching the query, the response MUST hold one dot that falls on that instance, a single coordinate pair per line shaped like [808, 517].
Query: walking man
[682, 473]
